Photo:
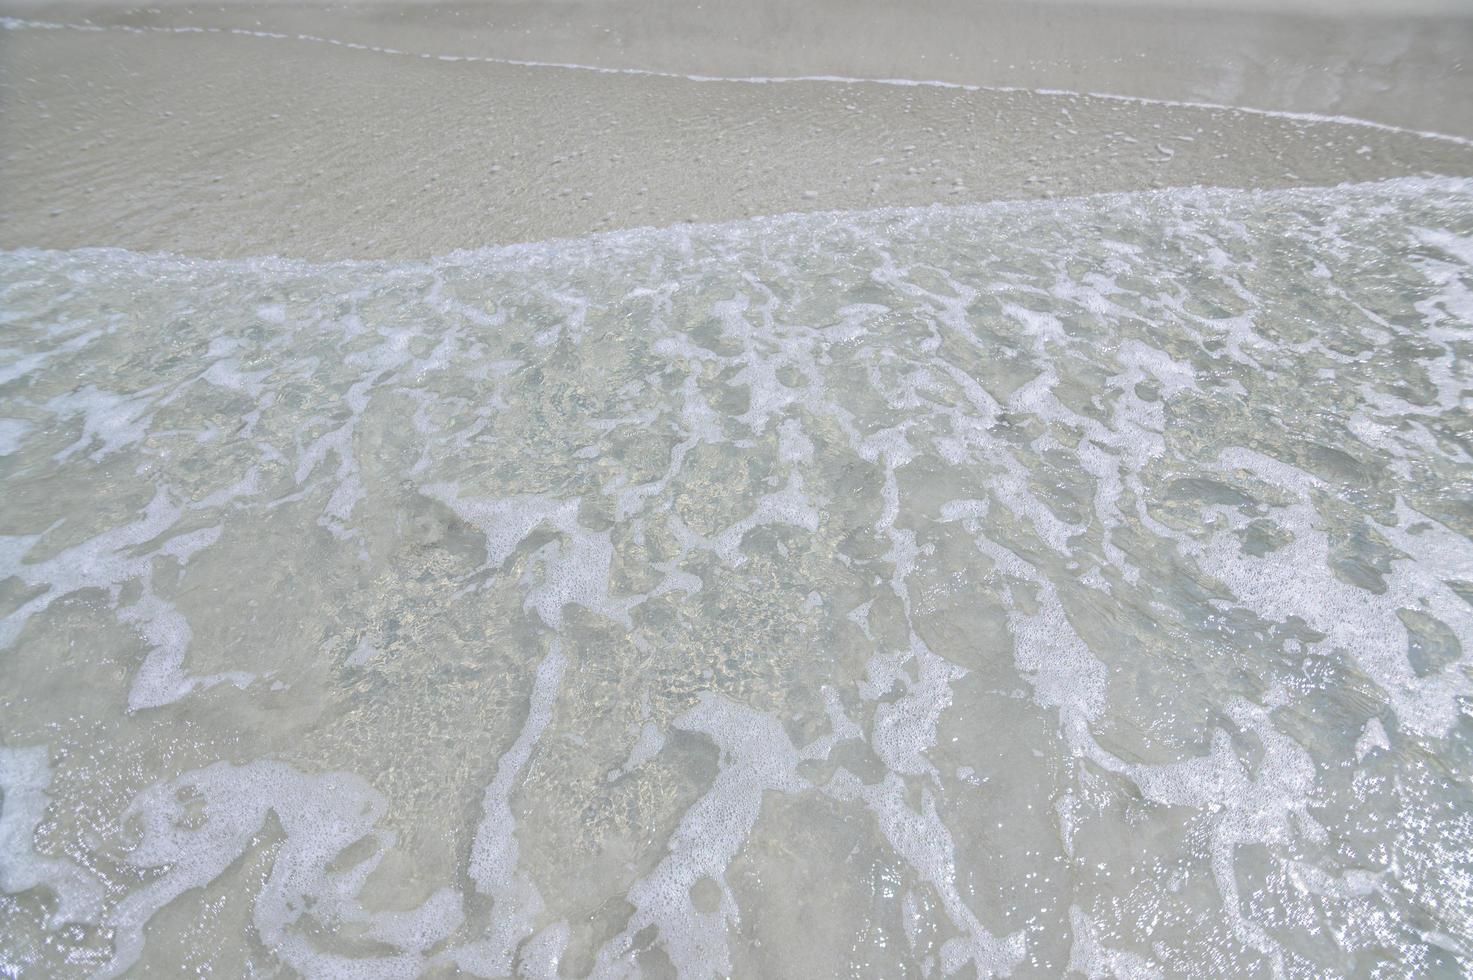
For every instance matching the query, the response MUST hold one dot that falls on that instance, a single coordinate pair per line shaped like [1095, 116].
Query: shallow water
[998, 590]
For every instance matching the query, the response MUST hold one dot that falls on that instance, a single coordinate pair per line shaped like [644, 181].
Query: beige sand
[229, 144]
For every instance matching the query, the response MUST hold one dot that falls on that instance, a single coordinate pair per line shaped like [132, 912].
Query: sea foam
[992, 590]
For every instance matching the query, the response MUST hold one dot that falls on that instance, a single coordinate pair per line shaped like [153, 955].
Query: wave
[1073, 584]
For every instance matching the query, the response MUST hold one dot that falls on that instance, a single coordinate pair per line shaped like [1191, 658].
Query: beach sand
[255, 129]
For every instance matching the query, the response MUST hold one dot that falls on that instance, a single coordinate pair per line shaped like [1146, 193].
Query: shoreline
[17, 24]
[477, 133]
[594, 241]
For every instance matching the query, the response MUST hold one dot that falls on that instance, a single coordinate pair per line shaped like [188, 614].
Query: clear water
[1011, 590]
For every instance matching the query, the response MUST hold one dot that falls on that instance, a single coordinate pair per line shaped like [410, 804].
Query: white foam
[12, 434]
[493, 862]
[575, 568]
[646, 746]
[925, 843]
[1372, 737]
[947, 462]
[25, 776]
[320, 816]
[756, 756]
[1297, 580]
[1096, 961]
[116, 421]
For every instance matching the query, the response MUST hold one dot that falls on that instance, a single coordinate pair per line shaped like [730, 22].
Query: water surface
[991, 590]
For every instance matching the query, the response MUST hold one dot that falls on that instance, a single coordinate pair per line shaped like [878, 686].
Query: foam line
[1312, 118]
[548, 248]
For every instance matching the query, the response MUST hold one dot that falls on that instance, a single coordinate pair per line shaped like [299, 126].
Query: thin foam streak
[1314, 118]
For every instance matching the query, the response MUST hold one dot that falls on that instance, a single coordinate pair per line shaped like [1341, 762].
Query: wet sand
[143, 133]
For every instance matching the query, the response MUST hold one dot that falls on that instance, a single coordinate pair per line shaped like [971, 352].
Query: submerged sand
[1006, 590]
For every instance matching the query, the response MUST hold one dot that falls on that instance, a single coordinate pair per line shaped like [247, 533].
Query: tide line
[1311, 118]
